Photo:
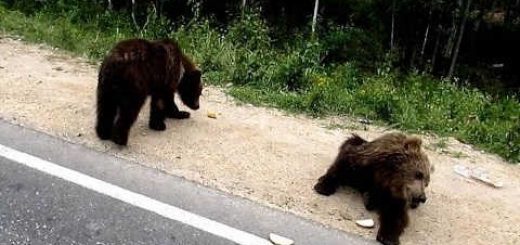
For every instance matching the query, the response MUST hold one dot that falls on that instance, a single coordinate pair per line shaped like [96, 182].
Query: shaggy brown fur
[391, 172]
[137, 68]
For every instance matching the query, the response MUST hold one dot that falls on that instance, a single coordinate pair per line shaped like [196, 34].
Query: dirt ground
[261, 154]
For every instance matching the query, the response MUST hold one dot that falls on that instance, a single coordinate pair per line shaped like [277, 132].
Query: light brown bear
[391, 172]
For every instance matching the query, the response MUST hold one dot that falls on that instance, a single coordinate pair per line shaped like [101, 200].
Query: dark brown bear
[137, 68]
[391, 172]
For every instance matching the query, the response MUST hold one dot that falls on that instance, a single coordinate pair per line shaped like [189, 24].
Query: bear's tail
[106, 109]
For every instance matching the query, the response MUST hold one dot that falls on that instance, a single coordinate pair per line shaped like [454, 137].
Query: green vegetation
[292, 75]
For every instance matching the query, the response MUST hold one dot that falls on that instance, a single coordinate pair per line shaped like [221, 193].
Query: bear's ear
[196, 73]
[396, 159]
[161, 51]
[413, 144]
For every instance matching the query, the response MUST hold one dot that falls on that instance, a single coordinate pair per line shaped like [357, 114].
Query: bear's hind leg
[329, 183]
[337, 174]
[106, 113]
[157, 113]
[369, 200]
[128, 112]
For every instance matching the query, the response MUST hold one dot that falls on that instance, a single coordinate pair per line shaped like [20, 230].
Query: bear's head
[416, 169]
[190, 88]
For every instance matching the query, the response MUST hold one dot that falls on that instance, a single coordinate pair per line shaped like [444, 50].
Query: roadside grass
[292, 76]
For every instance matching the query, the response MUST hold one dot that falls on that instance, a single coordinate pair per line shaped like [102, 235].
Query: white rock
[280, 240]
[366, 223]
[212, 115]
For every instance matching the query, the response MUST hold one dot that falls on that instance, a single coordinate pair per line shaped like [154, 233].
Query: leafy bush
[341, 44]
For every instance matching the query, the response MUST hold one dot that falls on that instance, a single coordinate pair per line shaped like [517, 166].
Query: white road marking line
[135, 199]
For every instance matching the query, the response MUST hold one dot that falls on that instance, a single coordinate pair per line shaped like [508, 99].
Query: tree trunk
[425, 40]
[436, 48]
[315, 15]
[427, 32]
[507, 17]
[510, 14]
[516, 10]
[393, 27]
[448, 48]
[243, 8]
[158, 8]
[459, 39]
[413, 56]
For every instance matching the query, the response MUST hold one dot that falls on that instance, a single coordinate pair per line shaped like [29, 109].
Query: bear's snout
[195, 106]
[417, 200]
[423, 198]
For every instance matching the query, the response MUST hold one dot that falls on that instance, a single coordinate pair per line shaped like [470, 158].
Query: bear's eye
[419, 175]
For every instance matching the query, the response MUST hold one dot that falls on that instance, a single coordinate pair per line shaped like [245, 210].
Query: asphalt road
[38, 207]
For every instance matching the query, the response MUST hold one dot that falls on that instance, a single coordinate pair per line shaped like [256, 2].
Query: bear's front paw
[324, 189]
[179, 115]
[157, 125]
[386, 240]
[120, 140]
[368, 201]
[104, 133]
